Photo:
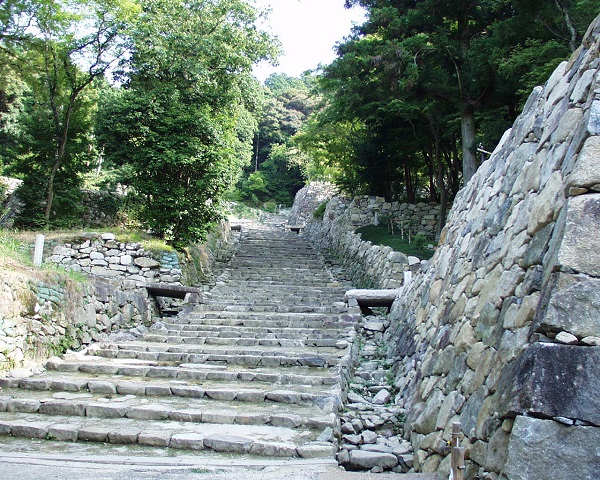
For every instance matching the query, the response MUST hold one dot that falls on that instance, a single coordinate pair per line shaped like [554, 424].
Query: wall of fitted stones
[42, 314]
[308, 199]
[407, 218]
[101, 255]
[501, 331]
[369, 266]
[9, 203]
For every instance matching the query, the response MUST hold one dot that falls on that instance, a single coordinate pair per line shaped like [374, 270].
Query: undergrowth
[382, 236]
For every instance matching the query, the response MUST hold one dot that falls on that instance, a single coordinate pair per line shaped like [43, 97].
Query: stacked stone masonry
[369, 266]
[42, 314]
[103, 256]
[501, 332]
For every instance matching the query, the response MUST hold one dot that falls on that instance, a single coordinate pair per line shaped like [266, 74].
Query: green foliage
[421, 84]
[382, 236]
[184, 123]
[14, 249]
[320, 210]
[276, 172]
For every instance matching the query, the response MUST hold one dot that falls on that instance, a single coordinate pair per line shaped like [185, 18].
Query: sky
[308, 31]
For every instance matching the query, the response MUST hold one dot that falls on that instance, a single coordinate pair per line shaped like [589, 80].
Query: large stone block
[579, 249]
[542, 449]
[571, 305]
[586, 172]
[553, 380]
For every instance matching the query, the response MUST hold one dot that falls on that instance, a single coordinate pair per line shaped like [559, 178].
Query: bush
[420, 241]
[319, 212]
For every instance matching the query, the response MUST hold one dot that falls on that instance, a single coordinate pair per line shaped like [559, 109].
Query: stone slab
[579, 249]
[553, 380]
[572, 304]
[538, 447]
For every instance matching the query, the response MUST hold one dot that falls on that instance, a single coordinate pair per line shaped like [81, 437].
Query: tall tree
[62, 47]
[183, 121]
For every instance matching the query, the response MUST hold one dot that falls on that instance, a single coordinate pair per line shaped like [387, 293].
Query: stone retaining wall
[42, 314]
[370, 266]
[412, 219]
[501, 332]
[101, 255]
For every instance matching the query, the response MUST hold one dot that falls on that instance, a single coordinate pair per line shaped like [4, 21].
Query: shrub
[319, 212]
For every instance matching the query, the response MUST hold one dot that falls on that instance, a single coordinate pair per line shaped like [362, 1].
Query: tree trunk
[441, 184]
[573, 41]
[63, 135]
[467, 128]
[410, 190]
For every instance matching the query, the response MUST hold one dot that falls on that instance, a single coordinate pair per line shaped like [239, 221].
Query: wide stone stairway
[258, 368]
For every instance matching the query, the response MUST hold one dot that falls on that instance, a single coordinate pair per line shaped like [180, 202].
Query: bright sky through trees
[308, 31]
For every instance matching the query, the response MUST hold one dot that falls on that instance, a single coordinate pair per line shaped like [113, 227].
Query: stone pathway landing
[258, 369]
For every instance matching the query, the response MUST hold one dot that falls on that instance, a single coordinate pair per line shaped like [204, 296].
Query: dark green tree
[183, 121]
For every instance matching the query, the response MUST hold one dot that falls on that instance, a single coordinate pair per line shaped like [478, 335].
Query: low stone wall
[369, 266]
[43, 314]
[413, 219]
[103, 256]
[501, 332]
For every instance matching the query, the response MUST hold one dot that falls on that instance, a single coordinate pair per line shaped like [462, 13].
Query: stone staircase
[259, 368]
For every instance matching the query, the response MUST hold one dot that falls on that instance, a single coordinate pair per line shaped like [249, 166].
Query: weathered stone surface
[316, 450]
[539, 446]
[146, 262]
[63, 433]
[188, 441]
[538, 381]
[382, 397]
[579, 248]
[365, 460]
[586, 172]
[228, 443]
[155, 438]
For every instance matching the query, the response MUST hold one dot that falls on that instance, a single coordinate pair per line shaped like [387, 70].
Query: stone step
[263, 319]
[259, 440]
[197, 372]
[258, 368]
[176, 408]
[247, 331]
[212, 355]
[268, 351]
[317, 341]
[326, 398]
[215, 305]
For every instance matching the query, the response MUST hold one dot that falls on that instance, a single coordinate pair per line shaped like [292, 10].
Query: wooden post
[457, 459]
[38, 253]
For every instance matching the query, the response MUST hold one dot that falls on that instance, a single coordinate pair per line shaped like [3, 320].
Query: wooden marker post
[457, 459]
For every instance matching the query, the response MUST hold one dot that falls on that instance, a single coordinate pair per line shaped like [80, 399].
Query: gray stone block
[552, 380]
[155, 438]
[540, 449]
[93, 434]
[572, 304]
[365, 460]
[124, 436]
[63, 432]
[228, 443]
[579, 249]
[187, 441]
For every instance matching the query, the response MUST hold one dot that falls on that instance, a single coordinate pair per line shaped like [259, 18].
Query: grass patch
[14, 249]
[382, 236]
